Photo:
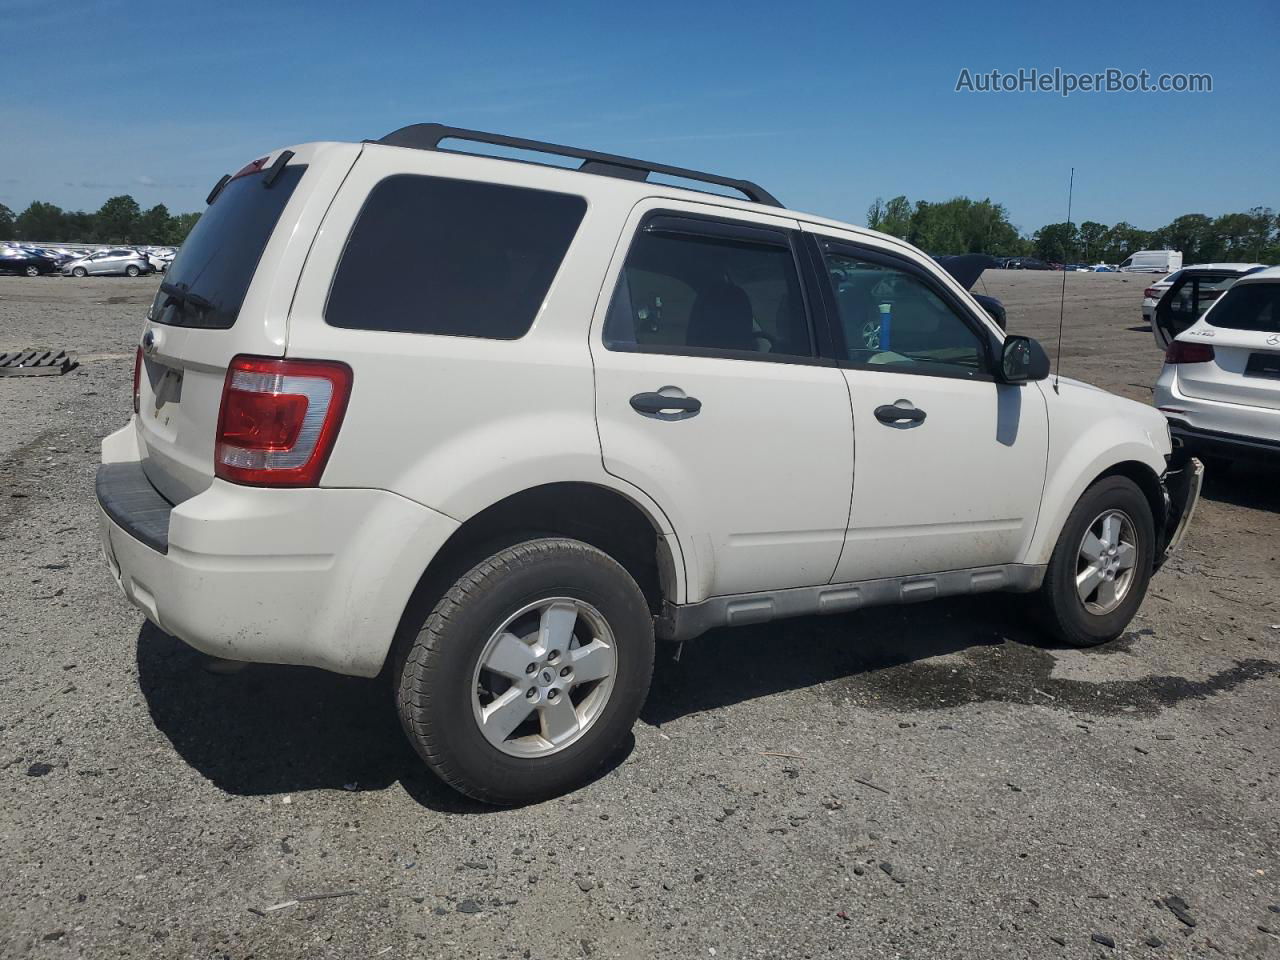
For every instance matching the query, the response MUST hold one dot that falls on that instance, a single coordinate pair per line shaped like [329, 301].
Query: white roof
[1270, 273]
[1222, 266]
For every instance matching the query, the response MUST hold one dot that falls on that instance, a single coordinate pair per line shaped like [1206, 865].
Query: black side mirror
[1023, 360]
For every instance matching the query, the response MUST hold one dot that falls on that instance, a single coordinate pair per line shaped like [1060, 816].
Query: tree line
[958, 225]
[962, 225]
[119, 220]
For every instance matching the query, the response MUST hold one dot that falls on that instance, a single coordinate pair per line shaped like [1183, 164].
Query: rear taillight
[279, 420]
[1180, 352]
[137, 379]
[1151, 293]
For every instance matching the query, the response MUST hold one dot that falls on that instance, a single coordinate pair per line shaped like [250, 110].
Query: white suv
[494, 425]
[1220, 386]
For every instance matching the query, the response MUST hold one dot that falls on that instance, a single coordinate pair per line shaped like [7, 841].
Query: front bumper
[1181, 484]
[314, 577]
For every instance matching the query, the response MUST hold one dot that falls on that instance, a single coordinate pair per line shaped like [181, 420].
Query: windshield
[206, 284]
[1248, 306]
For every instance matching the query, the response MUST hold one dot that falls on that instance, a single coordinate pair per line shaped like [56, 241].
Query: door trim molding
[685, 621]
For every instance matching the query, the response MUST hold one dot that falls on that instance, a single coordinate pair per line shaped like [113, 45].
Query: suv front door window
[950, 464]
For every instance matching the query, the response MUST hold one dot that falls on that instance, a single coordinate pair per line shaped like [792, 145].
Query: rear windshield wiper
[183, 298]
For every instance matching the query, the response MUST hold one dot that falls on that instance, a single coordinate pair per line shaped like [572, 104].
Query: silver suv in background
[116, 262]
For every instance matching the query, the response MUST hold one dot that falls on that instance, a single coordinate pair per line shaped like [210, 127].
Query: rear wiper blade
[183, 297]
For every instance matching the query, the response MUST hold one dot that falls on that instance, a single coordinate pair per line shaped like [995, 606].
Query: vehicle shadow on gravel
[270, 730]
[932, 656]
[1256, 486]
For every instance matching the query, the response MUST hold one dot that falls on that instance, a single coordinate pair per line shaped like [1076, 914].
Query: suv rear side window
[1248, 306]
[218, 259]
[693, 293]
[452, 257]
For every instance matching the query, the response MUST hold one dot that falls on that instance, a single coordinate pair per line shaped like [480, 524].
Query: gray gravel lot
[934, 781]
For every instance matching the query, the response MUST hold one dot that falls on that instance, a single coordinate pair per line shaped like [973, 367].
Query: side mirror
[1023, 360]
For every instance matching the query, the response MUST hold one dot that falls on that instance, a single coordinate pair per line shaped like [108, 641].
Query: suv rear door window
[452, 257]
[736, 293]
[208, 279]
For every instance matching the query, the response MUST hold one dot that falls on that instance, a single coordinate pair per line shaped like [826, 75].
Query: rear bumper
[314, 577]
[1213, 427]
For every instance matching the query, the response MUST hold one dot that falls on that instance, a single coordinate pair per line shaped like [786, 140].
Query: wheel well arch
[1146, 481]
[589, 512]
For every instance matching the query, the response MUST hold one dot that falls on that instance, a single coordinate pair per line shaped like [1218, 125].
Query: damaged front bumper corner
[1181, 485]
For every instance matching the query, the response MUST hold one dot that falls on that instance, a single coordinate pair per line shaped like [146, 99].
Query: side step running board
[685, 621]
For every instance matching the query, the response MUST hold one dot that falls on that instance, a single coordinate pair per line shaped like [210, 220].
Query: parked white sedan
[1220, 386]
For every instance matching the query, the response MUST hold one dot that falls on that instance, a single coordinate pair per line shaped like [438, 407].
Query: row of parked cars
[32, 261]
[1143, 261]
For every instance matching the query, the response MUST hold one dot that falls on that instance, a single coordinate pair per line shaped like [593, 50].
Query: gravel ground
[934, 781]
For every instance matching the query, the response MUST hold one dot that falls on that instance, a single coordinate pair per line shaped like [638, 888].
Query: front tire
[80, 272]
[1099, 572]
[33, 271]
[528, 673]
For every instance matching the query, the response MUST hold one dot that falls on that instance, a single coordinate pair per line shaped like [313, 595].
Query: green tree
[1091, 234]
[181, 226]
[117, 220]
[7, 223]
[897, 217]
[875, 214]
[1246, 236]
[1121, 240]
[1193, 234]
[154, 226]
[1057, 242]
[40, 221]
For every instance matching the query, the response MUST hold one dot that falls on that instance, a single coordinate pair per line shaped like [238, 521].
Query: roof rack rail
[427, 136]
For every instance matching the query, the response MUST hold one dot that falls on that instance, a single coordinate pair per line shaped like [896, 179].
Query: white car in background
[1152, 261]
[1151, 296]
[1220, 386]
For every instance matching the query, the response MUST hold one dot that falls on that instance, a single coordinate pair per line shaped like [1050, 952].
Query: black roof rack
[427, 136]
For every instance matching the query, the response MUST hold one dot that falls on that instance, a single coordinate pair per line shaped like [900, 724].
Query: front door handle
[892, 413]
[665, 408]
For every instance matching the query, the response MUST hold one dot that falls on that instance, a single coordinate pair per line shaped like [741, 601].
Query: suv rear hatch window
[194, 318]
[206, 284]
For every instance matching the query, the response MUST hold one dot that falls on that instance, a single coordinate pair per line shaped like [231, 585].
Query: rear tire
[1097, 580]
[558, 605]
[131, 270]
[33, 271]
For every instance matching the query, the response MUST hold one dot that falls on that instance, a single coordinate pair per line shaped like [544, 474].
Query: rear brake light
[1151, 293]
[279, 420]
[1180, 352]
[137, 379]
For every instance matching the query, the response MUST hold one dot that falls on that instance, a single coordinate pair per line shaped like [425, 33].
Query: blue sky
[826, 104]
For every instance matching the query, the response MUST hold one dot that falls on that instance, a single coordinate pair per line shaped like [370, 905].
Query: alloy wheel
[544, 677]
[1106, 562]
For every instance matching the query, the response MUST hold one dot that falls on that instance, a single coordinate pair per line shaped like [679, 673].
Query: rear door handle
[892, 413]
[665, 408]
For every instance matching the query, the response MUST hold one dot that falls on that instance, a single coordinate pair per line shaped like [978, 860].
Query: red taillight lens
[279, 420]
[1180, 352]
[137, 379]
[1151, 292]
